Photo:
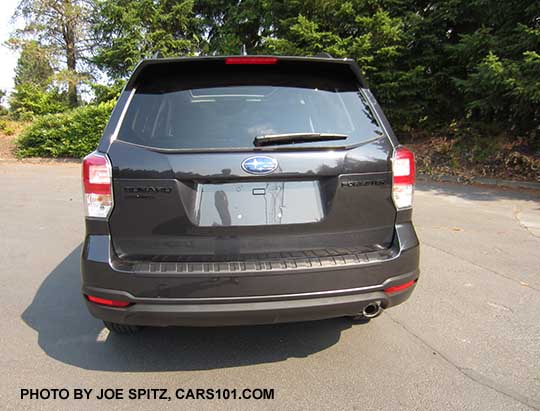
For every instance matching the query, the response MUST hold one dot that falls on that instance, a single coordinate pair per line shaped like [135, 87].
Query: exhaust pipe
[372, 310]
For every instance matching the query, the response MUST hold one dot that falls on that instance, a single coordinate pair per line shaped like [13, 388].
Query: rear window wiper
[293, 138]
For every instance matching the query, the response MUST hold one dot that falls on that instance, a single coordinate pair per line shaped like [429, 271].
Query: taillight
[97, 185]
[105, 301]
[251, 60]
[403, 185]
[398, 288]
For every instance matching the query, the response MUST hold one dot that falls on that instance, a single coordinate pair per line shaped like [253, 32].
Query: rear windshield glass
[205, 106]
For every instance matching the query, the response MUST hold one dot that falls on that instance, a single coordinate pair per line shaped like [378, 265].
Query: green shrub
[29, 100]
[104, 93]
[73, 133]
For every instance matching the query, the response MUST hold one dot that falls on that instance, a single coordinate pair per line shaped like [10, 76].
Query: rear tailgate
[185, 171]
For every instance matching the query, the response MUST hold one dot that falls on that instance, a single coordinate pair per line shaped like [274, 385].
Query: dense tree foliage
[438, 64]
[61, 28]
[33, 66]
[128, 30]
[429, 62]
[34, 91]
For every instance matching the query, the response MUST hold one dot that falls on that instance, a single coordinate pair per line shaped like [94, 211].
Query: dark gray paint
[159, 196]
[350, 216]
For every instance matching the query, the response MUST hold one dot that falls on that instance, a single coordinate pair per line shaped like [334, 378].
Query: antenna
[243, 50]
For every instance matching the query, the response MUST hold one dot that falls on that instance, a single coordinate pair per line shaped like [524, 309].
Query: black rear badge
[363, 183]
[145, 192]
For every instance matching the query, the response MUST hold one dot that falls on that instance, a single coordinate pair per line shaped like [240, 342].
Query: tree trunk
[71, 60]
[73, 98]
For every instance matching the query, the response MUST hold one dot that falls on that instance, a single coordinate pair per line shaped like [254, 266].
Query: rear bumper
[260, 296]
[262, 312]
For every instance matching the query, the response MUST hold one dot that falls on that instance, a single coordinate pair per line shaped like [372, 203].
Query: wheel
[359, 319]
[121, 328]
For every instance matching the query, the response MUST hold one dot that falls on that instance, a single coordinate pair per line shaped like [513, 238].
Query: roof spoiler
[321, 58]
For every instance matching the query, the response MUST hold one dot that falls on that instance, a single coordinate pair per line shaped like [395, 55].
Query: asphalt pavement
[469, 337]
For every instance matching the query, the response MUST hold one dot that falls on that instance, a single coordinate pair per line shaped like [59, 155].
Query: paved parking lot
[468, 339]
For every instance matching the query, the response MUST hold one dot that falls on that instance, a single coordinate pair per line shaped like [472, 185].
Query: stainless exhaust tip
[372, 310]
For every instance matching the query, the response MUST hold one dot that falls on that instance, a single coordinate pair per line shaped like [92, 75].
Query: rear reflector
[97, 185]
[400, 287]
[251, 60]
[403, 184]
[110, 303]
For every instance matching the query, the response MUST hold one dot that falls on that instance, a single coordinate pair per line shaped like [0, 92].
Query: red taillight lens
[403, 170]
[251, 60]
[403, 166]
[97, 185]
[110, 303]
[400, 287]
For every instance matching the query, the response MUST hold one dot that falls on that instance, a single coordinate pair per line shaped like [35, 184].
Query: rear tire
[125, 329]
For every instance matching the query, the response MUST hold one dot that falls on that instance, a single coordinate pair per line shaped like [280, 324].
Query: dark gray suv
[247, 190]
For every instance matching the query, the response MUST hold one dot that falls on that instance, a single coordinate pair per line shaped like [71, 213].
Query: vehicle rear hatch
[192, 184]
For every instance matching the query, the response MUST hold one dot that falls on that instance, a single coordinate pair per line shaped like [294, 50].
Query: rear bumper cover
[252, 297]
[262, 312]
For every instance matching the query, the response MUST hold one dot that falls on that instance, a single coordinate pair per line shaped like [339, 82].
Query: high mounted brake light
[97, 185]
[403, 183]
[251, 60]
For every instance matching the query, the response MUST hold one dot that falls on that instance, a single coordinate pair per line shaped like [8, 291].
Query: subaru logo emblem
[259, 165]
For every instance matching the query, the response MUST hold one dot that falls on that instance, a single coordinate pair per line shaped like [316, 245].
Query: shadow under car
[67, 333]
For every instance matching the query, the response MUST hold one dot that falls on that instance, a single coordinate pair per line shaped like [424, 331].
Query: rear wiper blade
[293, 138]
